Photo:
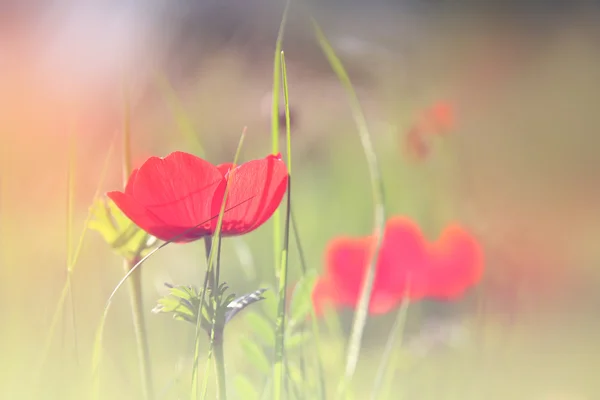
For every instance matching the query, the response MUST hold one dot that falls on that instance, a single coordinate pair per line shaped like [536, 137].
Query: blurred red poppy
[168, 197]
[408, 266]
[438, 119]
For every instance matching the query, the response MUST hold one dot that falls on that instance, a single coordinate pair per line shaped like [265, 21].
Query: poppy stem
[218, 266]
[209, 271]
[135, 296]
[219, 359]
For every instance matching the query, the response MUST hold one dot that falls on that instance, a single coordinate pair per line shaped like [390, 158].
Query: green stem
[279, 367]
[137, 307]
[219, 359]
[275, 130]
[210, 273]
[394, 340]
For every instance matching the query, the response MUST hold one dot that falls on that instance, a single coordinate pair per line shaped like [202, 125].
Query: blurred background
[520, 169]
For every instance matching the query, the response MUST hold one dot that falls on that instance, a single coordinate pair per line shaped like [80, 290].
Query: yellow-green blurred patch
[125, 238]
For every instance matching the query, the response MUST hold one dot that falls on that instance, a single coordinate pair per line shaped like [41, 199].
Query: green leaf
[302, 298]
[256, 355]
[125, 238]
[262, 326]
[244, 388]
[184, 292]
[182, 301]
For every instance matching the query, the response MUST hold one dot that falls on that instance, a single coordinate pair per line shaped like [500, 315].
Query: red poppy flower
[168, 197]
[408, 266]
[437, 119]
[440, 117]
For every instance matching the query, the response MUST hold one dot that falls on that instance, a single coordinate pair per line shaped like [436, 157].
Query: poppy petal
[130, 182]
[179, 190]
[407, 266]
[224, 168]
[255, 191]
[140, 216]
[347, 259]
[457, 263]
[382, 302]
[441, 117]
[403, 255]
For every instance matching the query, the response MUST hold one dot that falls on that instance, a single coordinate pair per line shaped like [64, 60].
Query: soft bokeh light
[518, 168]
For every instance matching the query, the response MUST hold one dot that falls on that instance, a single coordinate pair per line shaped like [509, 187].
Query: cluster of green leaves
[184, 303]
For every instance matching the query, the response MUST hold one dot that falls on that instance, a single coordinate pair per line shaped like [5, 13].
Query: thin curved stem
[379, 212]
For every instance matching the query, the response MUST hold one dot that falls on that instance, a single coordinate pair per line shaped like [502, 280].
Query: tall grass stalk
[279, 365]
[394, 339]
[72, 262]
[70, 213]
[360, 317]
[275, 129]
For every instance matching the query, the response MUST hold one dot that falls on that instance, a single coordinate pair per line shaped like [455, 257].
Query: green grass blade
[314, 324]
[182, 119]
[360, 317]
[70, 215]
[98, 341]
[275, 129]
[97, 193]
[97, 356]
[211, 259]
[72, 263]
[279, 366]
[277, 81]
[288, 128]
[394, 338]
